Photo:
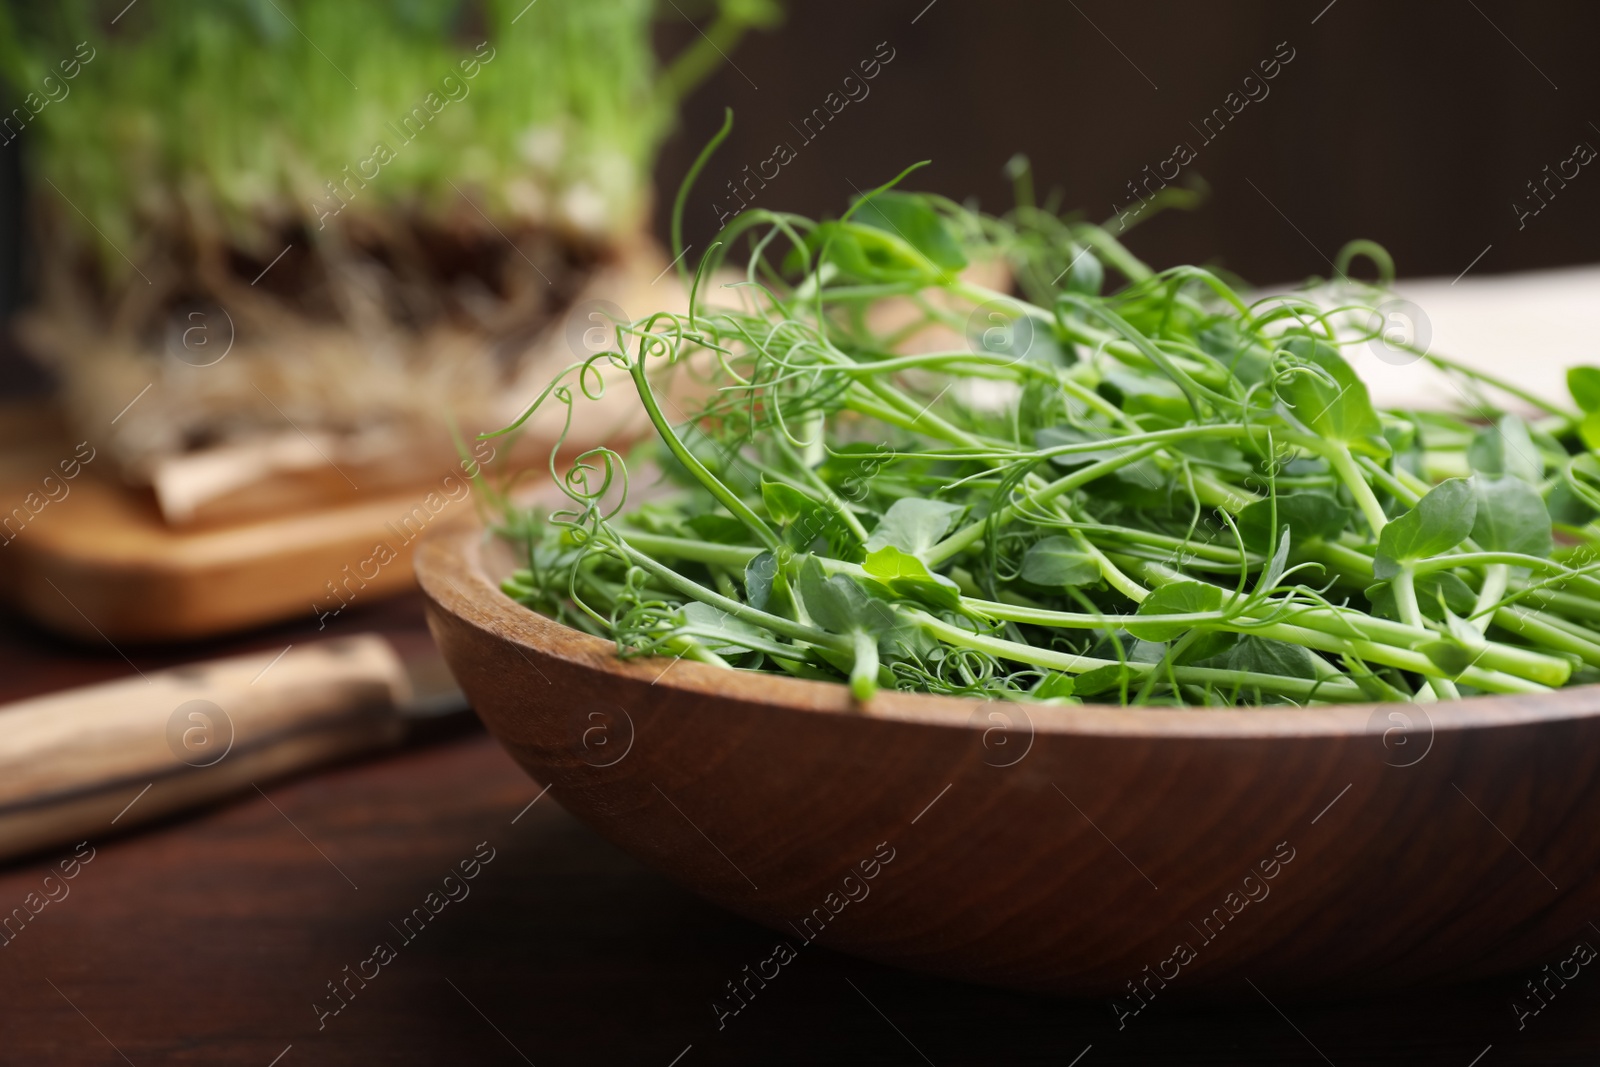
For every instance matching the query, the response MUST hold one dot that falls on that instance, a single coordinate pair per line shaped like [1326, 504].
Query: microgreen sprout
[1123, 485]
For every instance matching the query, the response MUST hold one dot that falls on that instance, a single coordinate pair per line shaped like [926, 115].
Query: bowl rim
[454, 575]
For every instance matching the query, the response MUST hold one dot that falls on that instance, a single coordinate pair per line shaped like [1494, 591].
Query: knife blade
[85, 763]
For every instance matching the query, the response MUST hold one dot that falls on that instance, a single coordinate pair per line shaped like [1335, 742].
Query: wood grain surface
[91, 557]
[207, 940]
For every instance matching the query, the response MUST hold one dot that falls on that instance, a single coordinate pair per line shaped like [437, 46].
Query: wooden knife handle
[76, 765]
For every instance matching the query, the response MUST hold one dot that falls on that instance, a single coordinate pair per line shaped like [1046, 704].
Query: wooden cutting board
[100, 563]
[87, 556]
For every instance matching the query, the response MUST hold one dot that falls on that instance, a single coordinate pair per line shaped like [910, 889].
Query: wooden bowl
[1071, 850]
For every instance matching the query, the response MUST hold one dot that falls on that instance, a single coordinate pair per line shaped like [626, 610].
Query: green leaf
[1261, 655]
[1142, 651]
[1441, 520]
[785, 503]
[1243, 356]
[1589, 430]
[936, 590]
[1272, 573]
[1507, 448]
[1462, 630]
[913, 525]
[910, 217]
[1334, 405]
[1056, 563]
[1137, 394]
[869, 254]
[1101, 680]
[1431, 588]
[908, 576]
[837, 603]
[1310, 516]
[1402, 439]
[832, 603]
[1086, 274]
[1212, 644]
[1055, 686]
[1584, 385]
[758, 576]
[803, 519]
[889, 562]
[1141, 474]
[705, 617]
[719, 529]
[909, 641]
[1449, 655]
[1511, 517]
[1565, 505]
[1178, 598]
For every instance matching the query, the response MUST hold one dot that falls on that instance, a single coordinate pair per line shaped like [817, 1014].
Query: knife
[84, 763]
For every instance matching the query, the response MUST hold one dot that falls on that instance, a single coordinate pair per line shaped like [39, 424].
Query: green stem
[1220, 494]
[1112, 251]
[864, 672]
[685, 644]
[815, 488]
[755, 644]
[1343, 559]
[1405, 599]
[1294, 688]
[755, 616]
[1568, 603]
[1109, 570]
[969, 535]
[1190, 549]
[681, 73]
[1499, 668]
[696, 551]
[1487, 559]
[727, 497]
[1501, 664]
[1495, 577]
[1552, 671]
[1344, 466]
[1547, 632]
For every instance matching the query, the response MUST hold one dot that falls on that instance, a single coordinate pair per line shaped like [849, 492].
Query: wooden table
[214, 939]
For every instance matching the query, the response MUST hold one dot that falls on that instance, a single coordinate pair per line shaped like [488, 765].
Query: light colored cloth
[1525, 328]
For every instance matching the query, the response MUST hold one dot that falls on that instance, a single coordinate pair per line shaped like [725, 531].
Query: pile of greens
[1149, 492]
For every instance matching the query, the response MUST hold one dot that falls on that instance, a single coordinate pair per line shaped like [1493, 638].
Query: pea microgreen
[1115, 484]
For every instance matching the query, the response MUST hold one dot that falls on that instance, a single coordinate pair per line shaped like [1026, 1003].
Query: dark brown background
[1413, 124]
